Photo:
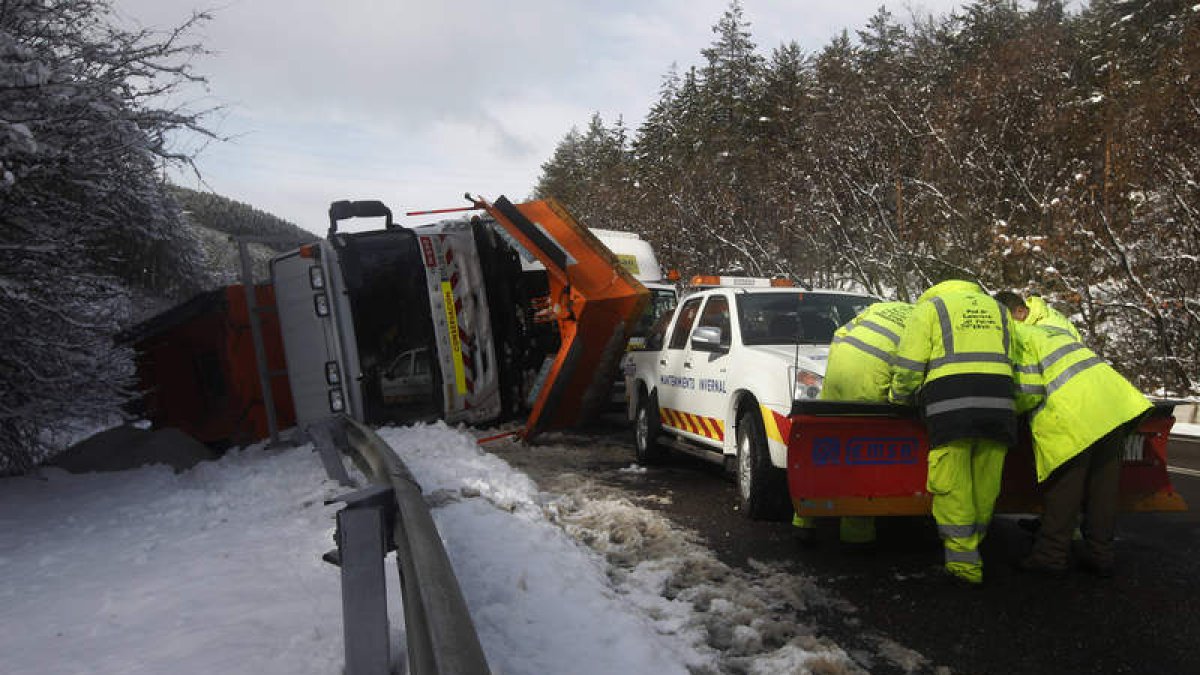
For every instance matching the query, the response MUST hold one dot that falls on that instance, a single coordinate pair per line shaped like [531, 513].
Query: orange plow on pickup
[867, 459]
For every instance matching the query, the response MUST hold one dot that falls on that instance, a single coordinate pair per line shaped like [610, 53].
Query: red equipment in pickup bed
[867, 459]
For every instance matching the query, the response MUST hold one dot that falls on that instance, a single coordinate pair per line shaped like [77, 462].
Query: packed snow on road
[218, 569]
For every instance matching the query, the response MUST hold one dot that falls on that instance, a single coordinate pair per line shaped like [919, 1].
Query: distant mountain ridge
[207, 223]
[231, 217]
[214, 219]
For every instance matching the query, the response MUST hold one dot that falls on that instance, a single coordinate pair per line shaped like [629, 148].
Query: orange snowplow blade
[595, 302]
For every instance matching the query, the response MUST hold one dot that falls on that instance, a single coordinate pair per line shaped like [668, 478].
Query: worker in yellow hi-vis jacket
[954, 362]
[1077, 441]
[1035, 311]
[860, 369]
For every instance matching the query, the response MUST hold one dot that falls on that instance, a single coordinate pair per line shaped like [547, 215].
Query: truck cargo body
[196, 367]
[858, 459]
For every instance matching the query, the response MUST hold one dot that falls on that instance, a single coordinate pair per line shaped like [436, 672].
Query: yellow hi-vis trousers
[964, 479]
[851, 529]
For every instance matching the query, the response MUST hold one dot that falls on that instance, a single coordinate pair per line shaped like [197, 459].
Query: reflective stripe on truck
[460, 377]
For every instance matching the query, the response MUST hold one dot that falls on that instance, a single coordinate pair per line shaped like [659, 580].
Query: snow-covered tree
[83, 134]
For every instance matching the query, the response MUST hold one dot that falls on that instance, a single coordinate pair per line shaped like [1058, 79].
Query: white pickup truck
[718, 380]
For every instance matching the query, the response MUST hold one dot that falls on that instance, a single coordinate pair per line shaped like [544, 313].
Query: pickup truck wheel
[646, 429]
[762, 488]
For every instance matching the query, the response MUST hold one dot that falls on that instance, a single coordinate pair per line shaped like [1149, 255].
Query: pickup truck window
[789, 318]
[716, 315]
[683, 327]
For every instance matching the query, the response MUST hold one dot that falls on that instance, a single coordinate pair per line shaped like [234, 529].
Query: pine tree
[1013, 143]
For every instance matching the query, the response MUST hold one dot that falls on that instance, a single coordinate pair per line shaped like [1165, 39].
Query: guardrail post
[440, 636]
[362, 543]
[328, 438]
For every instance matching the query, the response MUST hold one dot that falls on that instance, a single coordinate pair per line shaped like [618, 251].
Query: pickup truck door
[676, 384]
[708, 402]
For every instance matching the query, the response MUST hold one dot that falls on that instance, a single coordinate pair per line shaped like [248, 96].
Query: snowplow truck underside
[401, 325]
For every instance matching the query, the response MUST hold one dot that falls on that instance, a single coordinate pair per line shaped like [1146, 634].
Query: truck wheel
[647, 429]
[762, 488]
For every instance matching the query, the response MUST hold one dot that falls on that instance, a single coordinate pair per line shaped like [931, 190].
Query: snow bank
[541, 602]
[585, 581]
[214, 570]
[1185, 429]
[218, 570]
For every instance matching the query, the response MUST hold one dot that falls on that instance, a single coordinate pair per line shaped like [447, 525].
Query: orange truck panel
[197, 369]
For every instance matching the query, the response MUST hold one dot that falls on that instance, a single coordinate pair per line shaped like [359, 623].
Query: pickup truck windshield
[800, 317]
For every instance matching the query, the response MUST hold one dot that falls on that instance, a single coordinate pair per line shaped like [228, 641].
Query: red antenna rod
[432, 211]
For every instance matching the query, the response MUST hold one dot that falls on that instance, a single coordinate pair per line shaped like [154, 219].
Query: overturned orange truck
[399, 324]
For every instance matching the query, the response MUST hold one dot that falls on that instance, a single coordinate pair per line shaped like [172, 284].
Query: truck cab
[636, 255]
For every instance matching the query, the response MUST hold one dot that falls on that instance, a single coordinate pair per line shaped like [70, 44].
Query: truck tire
[762, 488]
[647, 429]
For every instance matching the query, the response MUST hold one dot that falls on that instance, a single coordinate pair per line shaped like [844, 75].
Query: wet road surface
[1145, 620]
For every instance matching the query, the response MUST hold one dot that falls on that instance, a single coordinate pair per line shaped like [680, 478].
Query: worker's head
[1014, 303]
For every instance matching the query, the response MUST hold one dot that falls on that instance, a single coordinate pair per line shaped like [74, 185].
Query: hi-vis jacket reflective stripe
[862, 353]
[954, 356]
[1074, 395]
[1042, 314]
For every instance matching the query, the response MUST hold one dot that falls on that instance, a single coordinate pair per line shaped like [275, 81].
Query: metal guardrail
[392, 513]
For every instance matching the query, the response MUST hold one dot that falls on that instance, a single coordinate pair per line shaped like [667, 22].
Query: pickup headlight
[806, 383]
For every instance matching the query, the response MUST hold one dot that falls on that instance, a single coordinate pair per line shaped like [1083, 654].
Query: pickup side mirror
[707, 339]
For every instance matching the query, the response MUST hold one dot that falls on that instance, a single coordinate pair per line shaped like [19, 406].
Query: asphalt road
[1146, 620]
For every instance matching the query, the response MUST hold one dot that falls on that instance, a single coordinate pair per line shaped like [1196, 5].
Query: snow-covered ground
[218, 570]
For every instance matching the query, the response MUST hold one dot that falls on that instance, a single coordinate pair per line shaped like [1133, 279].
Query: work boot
[806, 537]
[967, 575]
[959, 581]
[1103, 571]
[858, 547]
[1032, 565]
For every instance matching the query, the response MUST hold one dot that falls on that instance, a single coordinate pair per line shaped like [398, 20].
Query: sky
[416, 103]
